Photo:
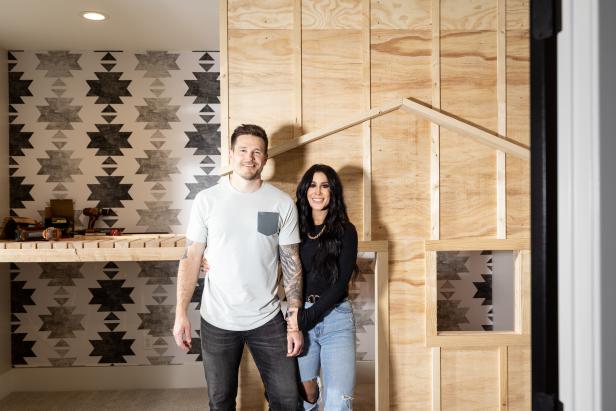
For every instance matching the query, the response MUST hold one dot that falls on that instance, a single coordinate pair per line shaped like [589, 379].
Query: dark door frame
[545, 23]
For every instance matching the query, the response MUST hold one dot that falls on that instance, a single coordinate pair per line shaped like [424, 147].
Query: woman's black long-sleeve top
[315, 284]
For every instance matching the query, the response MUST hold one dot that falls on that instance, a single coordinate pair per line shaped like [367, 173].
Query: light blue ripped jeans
[330, 346]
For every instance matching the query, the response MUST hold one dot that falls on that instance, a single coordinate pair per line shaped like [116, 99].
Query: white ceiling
[132, 25]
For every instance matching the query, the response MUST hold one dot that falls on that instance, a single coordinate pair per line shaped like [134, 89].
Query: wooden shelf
[133, 247]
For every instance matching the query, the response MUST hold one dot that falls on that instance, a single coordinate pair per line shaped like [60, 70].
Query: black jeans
[222, 353]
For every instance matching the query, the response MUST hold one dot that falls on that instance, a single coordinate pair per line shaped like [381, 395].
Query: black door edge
[544, 26]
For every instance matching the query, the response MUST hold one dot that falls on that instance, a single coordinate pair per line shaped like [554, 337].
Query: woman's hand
[205, 267]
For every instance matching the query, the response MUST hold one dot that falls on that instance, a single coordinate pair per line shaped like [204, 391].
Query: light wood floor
[133, 400]
[130, 400]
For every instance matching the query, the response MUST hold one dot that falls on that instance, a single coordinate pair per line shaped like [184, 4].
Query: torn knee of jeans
[347, 400]
[311, 393]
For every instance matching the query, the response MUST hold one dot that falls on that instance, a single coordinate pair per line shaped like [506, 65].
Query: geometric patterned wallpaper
[464, 283]
[96, 314]
[134, 132]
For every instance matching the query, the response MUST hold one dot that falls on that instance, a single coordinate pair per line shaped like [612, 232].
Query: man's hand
[291, 317]
[295, 343]
[188, 272]
[181, 332]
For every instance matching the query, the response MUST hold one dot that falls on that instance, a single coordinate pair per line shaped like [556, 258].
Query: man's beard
[247, 175]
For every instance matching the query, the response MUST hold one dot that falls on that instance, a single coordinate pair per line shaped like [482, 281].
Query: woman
[328, 252]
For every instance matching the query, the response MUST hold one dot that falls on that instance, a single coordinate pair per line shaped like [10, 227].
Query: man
[246, 226]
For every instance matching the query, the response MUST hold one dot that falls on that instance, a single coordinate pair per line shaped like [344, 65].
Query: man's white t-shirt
[242, 232]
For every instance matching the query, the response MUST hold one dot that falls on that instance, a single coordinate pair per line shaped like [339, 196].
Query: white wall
[5, 331]
[503, 286]
[586, 204]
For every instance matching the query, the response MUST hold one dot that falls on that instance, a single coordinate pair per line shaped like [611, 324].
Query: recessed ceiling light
[93, 15]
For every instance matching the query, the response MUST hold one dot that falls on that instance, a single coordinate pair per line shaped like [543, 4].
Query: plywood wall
[297, 65]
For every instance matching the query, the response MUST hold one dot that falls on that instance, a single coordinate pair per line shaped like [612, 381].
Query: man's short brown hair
[250, 129]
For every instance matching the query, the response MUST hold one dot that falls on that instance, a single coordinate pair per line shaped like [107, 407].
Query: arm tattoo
[291, 273]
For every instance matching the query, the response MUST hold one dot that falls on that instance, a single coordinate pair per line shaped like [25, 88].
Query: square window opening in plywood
[477, 292]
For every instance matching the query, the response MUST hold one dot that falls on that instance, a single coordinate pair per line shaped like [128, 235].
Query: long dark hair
[329, 244]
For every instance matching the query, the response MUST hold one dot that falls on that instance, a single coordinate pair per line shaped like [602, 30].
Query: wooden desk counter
[131, 247]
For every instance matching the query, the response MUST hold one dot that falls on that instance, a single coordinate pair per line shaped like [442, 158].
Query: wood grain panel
[518, 128]
[406, 294]
[519, 378]
[468, 178]
[469, 379]
[405, 15]
[261, 76]
[332, 77]
[468, 76]
[518, 15]
[260, 14]
[400, 176]
[469, 15]
[401, 65]
[410, 378]
[332, 14]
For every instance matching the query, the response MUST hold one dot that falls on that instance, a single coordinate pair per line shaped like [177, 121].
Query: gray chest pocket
[267, 223]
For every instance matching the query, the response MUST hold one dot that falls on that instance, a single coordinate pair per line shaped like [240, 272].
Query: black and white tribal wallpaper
[464, 281]
[136, 132]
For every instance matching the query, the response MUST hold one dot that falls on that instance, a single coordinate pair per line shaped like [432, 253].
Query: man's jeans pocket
[267, 223]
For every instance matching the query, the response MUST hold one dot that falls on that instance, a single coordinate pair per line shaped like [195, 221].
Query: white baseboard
[105, 378]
